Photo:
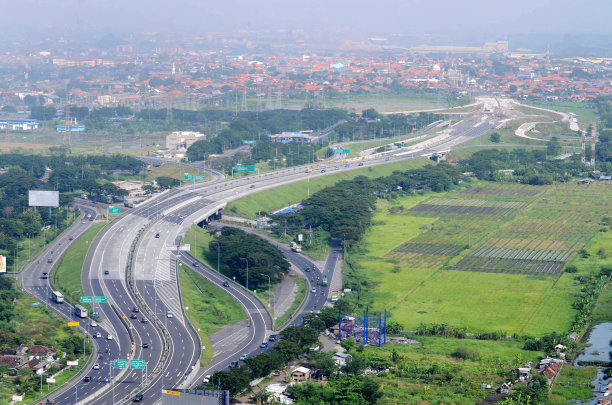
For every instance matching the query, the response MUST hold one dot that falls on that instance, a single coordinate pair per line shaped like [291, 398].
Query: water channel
[598, 351]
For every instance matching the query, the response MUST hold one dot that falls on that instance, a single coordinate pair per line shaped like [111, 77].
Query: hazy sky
[482, 18]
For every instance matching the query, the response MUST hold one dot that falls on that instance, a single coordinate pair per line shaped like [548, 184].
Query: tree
[512, 88]
[495, 137]
[322, 361]
[167, 182]
[553, 148]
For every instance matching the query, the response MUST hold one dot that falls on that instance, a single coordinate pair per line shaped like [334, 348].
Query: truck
[309, 170]
[334, 296]
[295, 247]
[324, 282]
[128, 204]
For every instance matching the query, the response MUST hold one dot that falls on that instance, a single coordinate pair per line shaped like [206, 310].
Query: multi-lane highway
[133, 262]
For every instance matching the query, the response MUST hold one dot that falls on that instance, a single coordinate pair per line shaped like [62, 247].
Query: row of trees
[242, 252]
[372, 125]
[345, 210]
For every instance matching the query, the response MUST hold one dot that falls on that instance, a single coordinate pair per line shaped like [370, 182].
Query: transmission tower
[243, 107]
[67, 133]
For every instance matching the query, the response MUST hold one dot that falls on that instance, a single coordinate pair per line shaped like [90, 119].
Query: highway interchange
[138, 251]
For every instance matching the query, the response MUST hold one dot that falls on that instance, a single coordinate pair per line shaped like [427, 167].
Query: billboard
[38, 198]
[2, 264]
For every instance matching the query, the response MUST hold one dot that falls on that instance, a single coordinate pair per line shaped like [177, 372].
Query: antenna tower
[593, 140]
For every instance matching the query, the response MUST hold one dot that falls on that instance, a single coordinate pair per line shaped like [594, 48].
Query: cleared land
[509, 243]
[279, 197]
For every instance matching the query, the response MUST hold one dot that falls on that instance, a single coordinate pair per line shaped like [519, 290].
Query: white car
[169, 314]
[96, 366]
[109, 337]
[93, 324]
[206, 379]
[98, 335]
[314, 290]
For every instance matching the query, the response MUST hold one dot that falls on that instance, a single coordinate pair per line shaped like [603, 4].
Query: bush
[571, 269]
[464, 353]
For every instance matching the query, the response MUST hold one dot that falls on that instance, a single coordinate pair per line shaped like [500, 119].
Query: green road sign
[120, 363]
[86, 300]
[337, 150]
[239, 168]
[188, 176]
[249, 142]
[137, 364]
[114, 210]
[101, 298]
[200, 177]
[346, 151]
[250, 168]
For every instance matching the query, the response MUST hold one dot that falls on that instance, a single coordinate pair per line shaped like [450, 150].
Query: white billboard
[2, 264]
[38, 198]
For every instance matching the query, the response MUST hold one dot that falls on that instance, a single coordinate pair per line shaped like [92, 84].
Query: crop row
[501, 265]
[522, 254]
[475, 203]
[527, 192]
[416, 260]
[459, 209]
[524, 243]
[432, 249]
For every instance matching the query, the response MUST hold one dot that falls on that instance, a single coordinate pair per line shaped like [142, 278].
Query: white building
[182, 140]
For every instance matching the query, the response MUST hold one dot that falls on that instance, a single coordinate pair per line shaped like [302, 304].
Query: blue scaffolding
[367, 329]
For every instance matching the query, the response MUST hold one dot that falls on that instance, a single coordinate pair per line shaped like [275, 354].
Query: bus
[58, 297]
[80, 311]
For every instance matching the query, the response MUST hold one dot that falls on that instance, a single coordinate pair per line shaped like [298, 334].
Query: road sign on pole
[250, 168]
[200, 177]
[120, 363]
[239, 168]
[86, 300]
[249, 142]
[101, 298]
[188, 176]
[346, 151]
[114, 210]
[137, 364]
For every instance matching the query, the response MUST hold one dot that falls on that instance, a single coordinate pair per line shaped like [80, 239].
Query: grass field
[278, 322]
[66, 275]
[279, 197]
[210, 307]
[509, 242]
[427, 373]
[168, 170]
[586, 114]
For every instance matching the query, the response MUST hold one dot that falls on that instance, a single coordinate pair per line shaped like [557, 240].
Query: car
[252, 185]
[138, 398]
[263, 345]
[336, 168]
[181, 216]
[244, 357]
[169, 314]
[71, 238]
[91, 219]
[322, 170]
[106, 272]
[195, 264]
[98, 335]
[386, 159]
[109, 337]
[133, 316]
[93, 324]
[157, 235]
[225, 284]
[145, 345]
[314, 290]
[272, 338]
[206, 379]
[276, 373]
[347, 165]
[360, 164]
[233, 364]
[144, 320]
[44, 276]
[136, 309]
[87, 379]
[49, 260]
[96, 366]
[307, 269]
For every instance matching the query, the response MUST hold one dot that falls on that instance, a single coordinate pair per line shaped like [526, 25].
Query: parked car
[233, 364]
[263, 345]
[272, 338]
[244, 357]
[206, 379]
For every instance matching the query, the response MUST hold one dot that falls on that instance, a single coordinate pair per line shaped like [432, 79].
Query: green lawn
[279, 197]
[66, 274]
[198, 239]
[586, 114]
[210, 307]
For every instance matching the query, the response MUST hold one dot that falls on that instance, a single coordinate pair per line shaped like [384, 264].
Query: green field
[485, 258]
[210, 307]
[66, 275]
[173, 171]
[279, 197]
[427, 373]
[573, 383]
[586, 114]
[299, 297]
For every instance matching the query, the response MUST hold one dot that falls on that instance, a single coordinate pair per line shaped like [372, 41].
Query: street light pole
[268, 290]
[247, 276]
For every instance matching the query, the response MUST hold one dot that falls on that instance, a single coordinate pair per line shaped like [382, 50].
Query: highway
[147, 279]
